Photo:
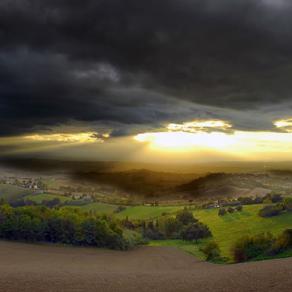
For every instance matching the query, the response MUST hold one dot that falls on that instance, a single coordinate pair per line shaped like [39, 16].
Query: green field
[147, 212]
[229, 228]
[99, 208]
[39, 198]
[132, 212]
[11, 192]
[225, 229]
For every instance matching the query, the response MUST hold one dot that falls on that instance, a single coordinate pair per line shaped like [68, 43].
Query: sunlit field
[225, 229]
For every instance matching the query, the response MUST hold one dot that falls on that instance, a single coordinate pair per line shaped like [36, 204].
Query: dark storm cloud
[133, 63]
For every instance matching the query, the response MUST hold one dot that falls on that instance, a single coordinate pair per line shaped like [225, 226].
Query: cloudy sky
[114, 80]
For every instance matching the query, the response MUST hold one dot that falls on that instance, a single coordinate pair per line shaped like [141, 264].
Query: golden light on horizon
[190, 135]
[184, 141]
[85, 137]
[193, 137]
[189, 141]
[199, 125]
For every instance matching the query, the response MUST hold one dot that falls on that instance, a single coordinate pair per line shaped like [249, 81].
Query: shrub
[21, 203]
[238, 208]
[251, 247]
[120, 209]
[250, 200]
[211, 251]
[245, 200]
[276, 198]
[133, 239]
[221, 212]
[288, 204]
[273, 198]
[271, 210]
[230, 210]
[51, 203]
[287, 237]
[282, 242]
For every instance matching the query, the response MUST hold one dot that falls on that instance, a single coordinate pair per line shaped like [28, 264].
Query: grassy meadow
[225, 229]
[99, 208]
[147, 212]
[39, 198]
[229, 228]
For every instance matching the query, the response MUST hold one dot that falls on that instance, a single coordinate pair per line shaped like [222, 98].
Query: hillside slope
[218, 185]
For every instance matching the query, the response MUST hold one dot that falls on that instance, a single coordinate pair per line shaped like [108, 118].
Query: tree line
[39, 223]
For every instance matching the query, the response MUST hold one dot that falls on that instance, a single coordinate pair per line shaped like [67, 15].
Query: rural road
[38, 268]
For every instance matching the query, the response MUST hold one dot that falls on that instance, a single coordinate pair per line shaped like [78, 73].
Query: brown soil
[25, 267]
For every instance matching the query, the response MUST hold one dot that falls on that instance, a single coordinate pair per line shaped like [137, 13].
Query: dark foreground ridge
[25, 267]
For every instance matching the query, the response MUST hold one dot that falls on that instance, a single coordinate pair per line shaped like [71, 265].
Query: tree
[195, 231]
[185, 217]
[172, 228]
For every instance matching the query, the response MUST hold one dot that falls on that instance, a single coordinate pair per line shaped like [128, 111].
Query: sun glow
[187, 136]
[194, 137]
[182, 141]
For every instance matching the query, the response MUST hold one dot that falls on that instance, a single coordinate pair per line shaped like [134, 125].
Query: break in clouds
[132, 66]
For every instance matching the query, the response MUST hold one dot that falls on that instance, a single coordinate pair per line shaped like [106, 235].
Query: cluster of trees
[39, 223]
[272, 198]
[182, 226]
[223, 211]
[26, 202]
[271, 210]
[277, 209]
[262, 245]
[50, 203]
[226, 203]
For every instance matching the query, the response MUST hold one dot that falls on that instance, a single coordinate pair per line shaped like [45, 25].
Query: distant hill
[55, 165]
[139, 181]
[167, 181]
[191, 186]
[238, 184]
